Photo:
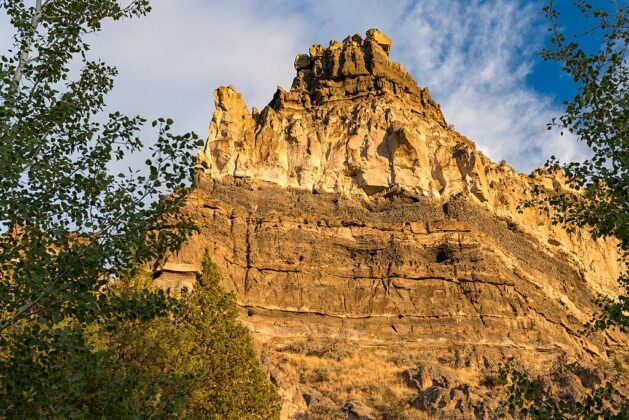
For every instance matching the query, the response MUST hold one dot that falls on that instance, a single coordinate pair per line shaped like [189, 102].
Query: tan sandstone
[370, 246]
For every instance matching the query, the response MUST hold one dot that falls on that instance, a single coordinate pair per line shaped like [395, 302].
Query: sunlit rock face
[349, 210]
[352, 122]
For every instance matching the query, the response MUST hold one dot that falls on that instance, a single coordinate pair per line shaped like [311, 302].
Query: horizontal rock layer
[388, 267]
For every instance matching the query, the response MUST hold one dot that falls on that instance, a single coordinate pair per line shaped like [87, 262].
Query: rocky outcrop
[349, 210]
[347, 124]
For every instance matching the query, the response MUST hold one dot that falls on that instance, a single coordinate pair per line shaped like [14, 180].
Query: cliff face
[374, 247]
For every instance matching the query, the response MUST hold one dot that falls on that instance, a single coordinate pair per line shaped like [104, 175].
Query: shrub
[197, 362]
[206, 350]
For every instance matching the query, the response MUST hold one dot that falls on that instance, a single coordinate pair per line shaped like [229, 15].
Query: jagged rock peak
[349, 219]
[351, 69]
[353, 121]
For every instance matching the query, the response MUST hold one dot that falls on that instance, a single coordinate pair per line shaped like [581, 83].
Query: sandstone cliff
[375, 252]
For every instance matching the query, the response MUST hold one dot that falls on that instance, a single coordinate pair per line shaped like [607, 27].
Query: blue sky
[547, 77]
[479, 59]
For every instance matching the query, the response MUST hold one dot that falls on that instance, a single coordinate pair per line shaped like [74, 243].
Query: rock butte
[370, 245]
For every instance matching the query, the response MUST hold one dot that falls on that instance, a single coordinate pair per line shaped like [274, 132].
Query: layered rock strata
[348, 209]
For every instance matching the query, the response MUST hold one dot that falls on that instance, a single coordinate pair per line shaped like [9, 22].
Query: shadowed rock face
[348, 210]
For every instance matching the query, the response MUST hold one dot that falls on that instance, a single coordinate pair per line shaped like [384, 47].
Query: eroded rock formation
[348, 210]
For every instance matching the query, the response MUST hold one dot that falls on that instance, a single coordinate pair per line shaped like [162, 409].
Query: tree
[69, 228]
[81, 334]
[202, 348]
[533, 398]
[598, 115]
[68, 224]
[229, 382]
[197, 362]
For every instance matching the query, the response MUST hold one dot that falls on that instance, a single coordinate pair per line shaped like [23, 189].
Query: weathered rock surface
[348, 209]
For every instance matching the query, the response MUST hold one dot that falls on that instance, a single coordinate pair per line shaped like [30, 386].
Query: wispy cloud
[172, 60]
[473, 55]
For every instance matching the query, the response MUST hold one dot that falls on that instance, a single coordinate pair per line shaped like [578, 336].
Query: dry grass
[327, 348]
[341, 372]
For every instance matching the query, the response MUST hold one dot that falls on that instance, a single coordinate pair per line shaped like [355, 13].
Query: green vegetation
[198, 362]
[532, 398]
[598, 116]
[78, 337]
[67, 225]
[201, 350]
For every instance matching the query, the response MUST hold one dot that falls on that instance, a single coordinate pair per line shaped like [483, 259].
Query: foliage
[56, 371]
[231, 384]
[532, 398]
[68, 226]
[69, 378]
[198, 362]
[495, 381]
[205, 348]
[598, 116]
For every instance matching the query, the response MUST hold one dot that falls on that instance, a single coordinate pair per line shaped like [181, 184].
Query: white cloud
[172, 60]
[473, 55]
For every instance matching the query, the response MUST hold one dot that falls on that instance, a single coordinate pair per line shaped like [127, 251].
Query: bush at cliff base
[197, 363]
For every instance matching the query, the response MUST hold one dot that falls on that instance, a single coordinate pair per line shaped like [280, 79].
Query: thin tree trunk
[26, 51]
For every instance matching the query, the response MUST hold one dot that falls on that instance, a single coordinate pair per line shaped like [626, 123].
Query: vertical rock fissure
[247, 281]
